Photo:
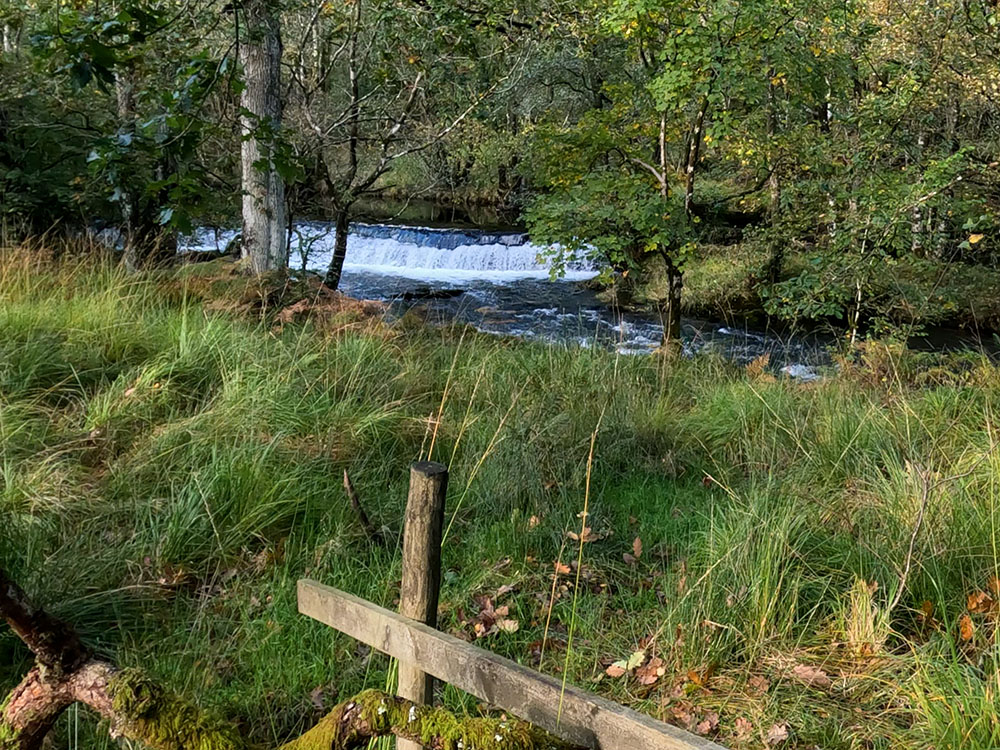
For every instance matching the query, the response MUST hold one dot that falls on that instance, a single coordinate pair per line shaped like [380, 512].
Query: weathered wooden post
[421, 588]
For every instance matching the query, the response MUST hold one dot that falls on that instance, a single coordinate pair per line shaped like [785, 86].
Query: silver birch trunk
[265, 234]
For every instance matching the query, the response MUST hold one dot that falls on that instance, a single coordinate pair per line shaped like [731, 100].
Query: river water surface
[500, 283]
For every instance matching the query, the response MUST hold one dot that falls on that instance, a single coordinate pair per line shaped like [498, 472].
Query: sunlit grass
[167, 473]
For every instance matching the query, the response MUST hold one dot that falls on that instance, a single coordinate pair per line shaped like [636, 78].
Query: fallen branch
[371, 532]
[56, 647]
[377, 714]
[141, 710]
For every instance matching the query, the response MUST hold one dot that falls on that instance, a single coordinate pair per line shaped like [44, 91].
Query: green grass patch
[168, 472]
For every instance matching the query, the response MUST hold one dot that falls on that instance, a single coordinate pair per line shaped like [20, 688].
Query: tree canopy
[842, 138]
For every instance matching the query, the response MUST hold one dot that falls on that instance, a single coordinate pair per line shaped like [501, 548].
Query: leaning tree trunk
[138, 709]
[694, 156]
[336, 268]
[265, 238]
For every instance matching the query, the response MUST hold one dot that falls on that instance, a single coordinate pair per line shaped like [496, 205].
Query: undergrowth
[774, 563]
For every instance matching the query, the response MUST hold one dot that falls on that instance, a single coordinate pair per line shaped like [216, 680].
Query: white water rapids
[421, 253]
[500, 282]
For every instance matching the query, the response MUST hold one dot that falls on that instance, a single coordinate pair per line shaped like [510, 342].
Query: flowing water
[498, 282]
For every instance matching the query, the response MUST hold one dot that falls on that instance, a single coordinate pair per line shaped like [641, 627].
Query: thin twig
[373, 534]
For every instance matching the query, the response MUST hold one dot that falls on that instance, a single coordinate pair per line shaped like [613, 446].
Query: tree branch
[56, 646]
[143, 711]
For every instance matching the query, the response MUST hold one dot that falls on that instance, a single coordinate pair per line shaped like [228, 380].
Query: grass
[168, 470]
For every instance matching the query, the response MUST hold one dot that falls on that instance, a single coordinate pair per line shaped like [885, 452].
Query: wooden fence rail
[424, 653]
[573, 715]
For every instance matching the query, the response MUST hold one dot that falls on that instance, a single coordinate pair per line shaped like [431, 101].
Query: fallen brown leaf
[651, 671]
[743, 728]
[966, 628]
[615, 670]
[980, 602]
[811, 676]
[586, 536]
[709, 724]
[777, 734]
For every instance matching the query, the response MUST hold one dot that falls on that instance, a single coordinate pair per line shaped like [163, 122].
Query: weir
[426, 253]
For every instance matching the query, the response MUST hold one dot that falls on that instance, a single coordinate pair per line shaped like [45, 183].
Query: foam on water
[423, 253]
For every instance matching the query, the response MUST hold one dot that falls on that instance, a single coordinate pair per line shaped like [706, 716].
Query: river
[498, 282]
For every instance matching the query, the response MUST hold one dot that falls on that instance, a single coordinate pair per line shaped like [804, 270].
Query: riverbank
[799, 565]
[726, 282]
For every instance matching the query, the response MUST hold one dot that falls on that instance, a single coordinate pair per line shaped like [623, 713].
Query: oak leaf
[650, 672]
[616, 670]
[709, 724]
[743, 728]
[777, 734]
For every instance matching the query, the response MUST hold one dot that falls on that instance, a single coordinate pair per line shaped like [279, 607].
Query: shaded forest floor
[764, 562]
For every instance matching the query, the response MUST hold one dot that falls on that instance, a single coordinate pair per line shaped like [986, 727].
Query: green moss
[163, 720]
[8, 735]
[386, 714]
[320, 737]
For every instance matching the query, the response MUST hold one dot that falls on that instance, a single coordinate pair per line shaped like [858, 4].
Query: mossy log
[141, 710]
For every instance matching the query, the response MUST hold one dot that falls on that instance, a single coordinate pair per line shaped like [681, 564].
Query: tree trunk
[916, 213]
[144, 240]
[773, 181]
[670, 306]
[264, 241]
[129, 201]
[694, 153]
[336, 268]
[8, 39]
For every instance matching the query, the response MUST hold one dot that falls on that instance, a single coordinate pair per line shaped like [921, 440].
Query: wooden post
[421, 588]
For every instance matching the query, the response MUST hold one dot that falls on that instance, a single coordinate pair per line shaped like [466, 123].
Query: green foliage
[612, 215]
[89, 46]
[855, 144]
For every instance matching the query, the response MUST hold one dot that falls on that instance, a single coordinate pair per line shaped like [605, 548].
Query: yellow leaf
[635, 660]
[974, 238]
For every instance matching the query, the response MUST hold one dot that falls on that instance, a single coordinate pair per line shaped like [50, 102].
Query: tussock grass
[168, 472]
